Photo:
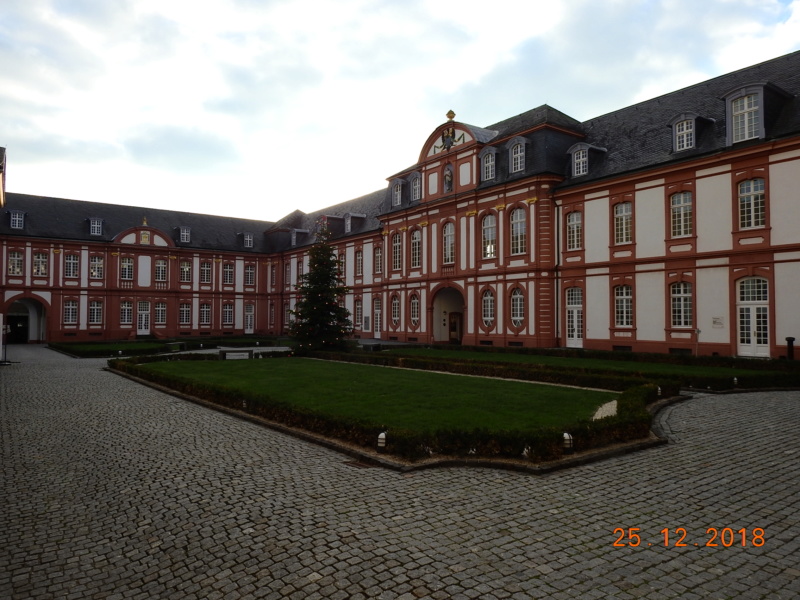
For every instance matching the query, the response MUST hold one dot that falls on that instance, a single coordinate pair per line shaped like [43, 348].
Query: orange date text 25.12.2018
[677, 538]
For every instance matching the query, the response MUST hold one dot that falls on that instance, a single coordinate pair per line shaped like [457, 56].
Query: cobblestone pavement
[113, 490]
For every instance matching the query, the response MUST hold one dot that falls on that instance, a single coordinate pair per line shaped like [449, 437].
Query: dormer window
[580, 162]
[294, 237]
[17, 219]
[488, 160]
[416, 189]
[684, 135]
[348, 223]
[745, 114]
[397, 194]
[95, 226]
[248, 240]
[186, 235]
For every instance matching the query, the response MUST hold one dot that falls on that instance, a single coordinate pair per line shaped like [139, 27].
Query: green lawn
[397, 398]
[580, 363]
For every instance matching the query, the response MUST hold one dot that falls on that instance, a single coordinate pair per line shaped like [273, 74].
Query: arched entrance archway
[448, 316]
[26, 319]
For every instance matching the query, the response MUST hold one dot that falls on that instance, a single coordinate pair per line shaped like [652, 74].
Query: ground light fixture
[382, 441]
[568, 446]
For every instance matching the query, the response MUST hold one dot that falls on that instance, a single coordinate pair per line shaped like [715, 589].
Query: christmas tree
[320, 322]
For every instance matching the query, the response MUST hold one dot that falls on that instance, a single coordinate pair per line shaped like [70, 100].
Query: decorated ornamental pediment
[447, 137]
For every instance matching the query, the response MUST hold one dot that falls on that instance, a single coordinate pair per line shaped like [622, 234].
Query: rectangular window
[623, 306]
[397, 194]
[488, 167]
[71, 265]
[17, 219]
[15, 263]
[342, 265]
[574, 231]
[622, 223]
[580, 162]
[161, 313]
[249, 275]
[205, 272]
[416, 249]
[71, 312]
[186, 271]
[227, 314]
[745, 115]
[161, 270]
[126, 312]
[96, 267]
[273, 274]
[271, 314]
[684, 135]
[752, 208]
[205, 314]
[449, 244]
[95, 226]
[186, 235]
[517, 158]
[681, 214]
[287, 275]
[248, 240]
[227, 274]
[40, 264]
[397, 252]
[416, 188]
[681, 301]
[95, 312]
[378, 261]
[185, 313]
[518, 231]
[359, 263]
[489, 238]
[359, 316]
[126, 268]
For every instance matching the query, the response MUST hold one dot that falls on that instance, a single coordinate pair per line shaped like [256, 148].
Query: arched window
[397, 194]
[681, 214]
[752, 209]
[488, 166]
[518, 231]
[416, 249]
[414, 305]
[517, 158]
[448, 243]
[416, 189]
[488, 311]
[395, 310]
[517, 307]
[378, 260]
[489, 244]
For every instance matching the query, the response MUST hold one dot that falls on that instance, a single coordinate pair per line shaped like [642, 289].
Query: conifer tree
[319, 321]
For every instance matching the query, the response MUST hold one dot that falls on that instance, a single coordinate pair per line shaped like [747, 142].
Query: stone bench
[233, 354]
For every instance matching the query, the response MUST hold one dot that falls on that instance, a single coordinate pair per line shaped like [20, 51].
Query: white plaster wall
[649, 222]
[649, 302]
[712, 299]
[596, 307]
[595, 230]
[433, 183]
[713, 219]
[143, 271]
[784, 202]
[787, 302]
[462, 242]
[464, 175]
[369, 262]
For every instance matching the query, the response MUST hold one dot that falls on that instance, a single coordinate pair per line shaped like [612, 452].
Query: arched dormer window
[488, 158]
[516, 154]
[416, 187]
[397, 192]
[580, 157]
[684, 132]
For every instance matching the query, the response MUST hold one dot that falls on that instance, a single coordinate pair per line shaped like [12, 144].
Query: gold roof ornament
[450, 115]
[144, 221]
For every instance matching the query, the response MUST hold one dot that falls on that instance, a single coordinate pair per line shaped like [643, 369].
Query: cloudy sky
[252, 108]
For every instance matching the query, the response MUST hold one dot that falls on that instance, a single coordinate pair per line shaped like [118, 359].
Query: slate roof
[59, 218]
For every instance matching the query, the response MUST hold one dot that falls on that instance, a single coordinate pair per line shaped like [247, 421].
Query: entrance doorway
[143, 319]
[574, 317]
[448, 316]
[753, 317]
[26, 321]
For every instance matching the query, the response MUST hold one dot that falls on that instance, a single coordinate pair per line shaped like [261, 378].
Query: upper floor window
[416, 189]
[489, 237]
[684, 135]
[249, 275]
[449, 243]
[96, 267]
[342, 264]
[397, 252]
[126, 268]
[95, 226]
[575, 230]
[17, 219]
[518, 231]
[623, 306]
[186, 234]
[378, 260]
[488, 166]
[15, 263]
[416, 249]
[517, 157]
[681, 214]
[40, 264]
[623, 216]
[227, 273]
[161, 270]
[205, 272]
[186, 271]
[359, 263]
[71, 265]
[752, 208]
[248, 240]
[580, 162]
[397, 194]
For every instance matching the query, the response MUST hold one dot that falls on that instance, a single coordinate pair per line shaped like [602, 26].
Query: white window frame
[414, 305]
[580, 162]
[684, 135]
[574, 230]
[397, 194]
[752, 203]
[205, 313]
[16, 263]
[186, 235]
[95, 226]
[489, 236]
[96, 267]
[205, 272]
[17, 220]
[96, 312]
[518, 157]
[623, 306]
[161, 270]
[249, 275]
[519, 223]
[126, 268]
[623, 222]
[489, 166]
[449, 243]
[161, 313]
[126, 312]
[359, 313]
[378, 255]
[397, 252]
[227, 313]
[359, 263]
[248, 240]
[681, 304]
[416, 189]
[186, 271]
[517, 307]
[416, 249]
[70, 316]
[745, 117]
[395, 310]
[681, 214]
[488, 308]
[227, 273]
[72, 266]
[40, 260]
[185, 313]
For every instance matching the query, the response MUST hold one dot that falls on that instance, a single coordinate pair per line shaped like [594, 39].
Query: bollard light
[735, 381]
[382, 442]
[568, 446]
[659, 390]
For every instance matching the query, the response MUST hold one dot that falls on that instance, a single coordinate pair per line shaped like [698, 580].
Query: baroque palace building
[669, 226]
